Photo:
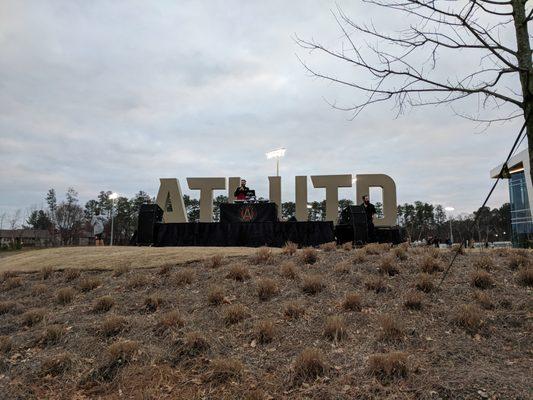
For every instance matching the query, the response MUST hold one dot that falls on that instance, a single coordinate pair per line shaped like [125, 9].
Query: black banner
[248, 212]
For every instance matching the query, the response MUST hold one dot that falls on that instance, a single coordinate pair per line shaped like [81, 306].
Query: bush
[33, 316]
[293, 310]
[328, 247]
[400, 252]
[481, 279]
[65, 295]
[391, 328]
[239, 273]
[335, 328]
[359, 257]
[484, 262]
[309, 365]
[388, 266]
[389, 365]
[215, 261]
[122, 352]
[289, 270]
[46, 272]
[184, 276]
[235, 313]
[517, 261]
[430, 264]
[348, 246]
[309, 255]
[262, 256]
[113, 325]
[266, 289]
[483, 299]
[413, 300]
[468, 317]
[153, 302]
[71, 273]
[89, 284]
[225, 369]
[215, 296]
[52, 334]
[457, 248]
[352, 302]
[424, 283]
[376, 248]
[136, 282]
[343, 268]
[290, 248]
[103, 304]
[376, 283]
[193, 344]
[265, 331]
[313, 284]
[168, 321]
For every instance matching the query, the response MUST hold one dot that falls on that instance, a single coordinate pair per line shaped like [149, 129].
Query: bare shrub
[388, 265]
[348, 246]
[483, 300]
[429, 264]
[113, 325]
[517, 261]
[52, 334]
[484, 262]
[153, 302]
[413, 300]
[215, 296]
[391, 328]
[239, 273]
[328, 247]
[468, 317]
[264, 331]
[56, 365]
[235, 313]
[424, 283]
[386, 366]
[33, 316]
[89, 284]
[376, 283]
[46, 272]
[13, 283]
[481, 279]
[293, 310]
[290, 248]
[335, 328]
[309, 365]
[225, 369]
[38, 289]
[71, 273]
[65, 295]
[168, 321]
[184, 276]
[289, 270]
[313, 284]
[525, 276]
[309, 255]
[400, 252]
[343, 268]
[359, 257]
[137, 281]
[263, 255]
[352, 302]
[215, 261]
[103, 304]
[266, 289]
[6, 344]
[120, 270]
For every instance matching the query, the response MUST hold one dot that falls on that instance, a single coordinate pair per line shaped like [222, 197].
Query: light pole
[113, 196]
[450, 209]
[277, 154]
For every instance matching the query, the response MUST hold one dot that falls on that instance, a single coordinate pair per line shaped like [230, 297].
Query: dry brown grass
[289, 270]
[13, 283]
[122, 351]
[137, 281]
[400, 252]
[313, 284]
[165, 269]
[225, 369]
[38, 289]
[430, 264]
[266, 289]
[328, 247]
[376, 283]
[484, 262]
[8, 306]
[184, 276]
[89, 283]
[309, 365]
[517, 261]
[484, 300]
[56, 364]
[169, 321]
[388, 265]
[193, 344]
[481, 279]
[335, 328]
[215, 296]
[264, 331]
[413, 300]
[386, 366]
[468, 317]
[6, 344]
[290, 248]
[46, 272]
[215, 261]
[65, 295]
[153, 302]
[457, 248]
[238, 273]
[343, 268]
[348, 246]
[392, 328]
[53, 334]
[352, 302]
[71, 273]
[424, 283]
[376, 248]
[8, 274]
[263, 255]
[359, 257]
[235, 313]
[33, 317]
[103, 304]
[308, 255]
[113, 325]
[121, 270]
[525, 276]
[293, 309]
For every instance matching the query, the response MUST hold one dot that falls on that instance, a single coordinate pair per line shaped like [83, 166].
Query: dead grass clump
[391, 328]
[483, 300]
[263, 255]
[309, 365]
[313, 284]
[65, 295]
[184, 276]
[266, 289]
[400, 252]
[413, 300]
[376, 283]
[136, 282]
[335, 328]
[517, 261]
[33, 316]
[225, 369]
[193, 344]
[430, 264]
[215, 261]
[239, 273]
[8, 307]
[168, 321]
[38, 289]
[46, 272]
[289, 270]
[352, 302]
[153, 302]
[484, 262]
[375, 248]
[121, 270]
[13, 283]
[56, 365]
[8, 274]
[265, 331]
[235, 313]
[481, 279]
[359, 257]
[388, 265]
[424, 283]
[165, 269]
[53, 334]
[343, 268]
[387, 366]
[215, 296]
[103, 304]
[457, 248]
[328, 247]
[293, 310]
[525, 276]
[89, 284]
[6, 344]
[290, 248]
[71, 273]
[113, 325]
[309, 255]
[122, 351]
[468, 317]
[348, 246]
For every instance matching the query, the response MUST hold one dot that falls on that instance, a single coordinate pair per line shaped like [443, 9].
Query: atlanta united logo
[247, 214]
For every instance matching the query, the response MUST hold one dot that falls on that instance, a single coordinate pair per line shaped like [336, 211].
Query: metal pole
[451, 231]
[112, 220]
[277, 166]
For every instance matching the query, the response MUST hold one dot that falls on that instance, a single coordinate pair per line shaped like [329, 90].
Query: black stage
[248, 212]
[248, 234]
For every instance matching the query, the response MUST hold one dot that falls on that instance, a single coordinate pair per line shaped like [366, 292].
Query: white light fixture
[113, 196]
[449, 208]
[354, 180]
[277, 154]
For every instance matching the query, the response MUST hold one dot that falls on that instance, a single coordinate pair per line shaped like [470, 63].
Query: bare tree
[404, 67]
[13, 223]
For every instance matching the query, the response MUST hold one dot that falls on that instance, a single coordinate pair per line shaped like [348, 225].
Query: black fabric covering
[248, 234]
[248, 212]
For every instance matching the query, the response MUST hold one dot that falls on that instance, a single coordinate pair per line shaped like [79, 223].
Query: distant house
[26, 237]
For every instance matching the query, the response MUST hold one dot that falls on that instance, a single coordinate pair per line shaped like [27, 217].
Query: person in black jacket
[370, 212]
[241, 191]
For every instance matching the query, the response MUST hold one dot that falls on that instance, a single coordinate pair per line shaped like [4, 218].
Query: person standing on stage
[370, 212]
[241, 191]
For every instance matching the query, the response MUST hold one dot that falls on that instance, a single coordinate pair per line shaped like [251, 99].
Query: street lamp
[450, 209]
[113, 196]
[277, 154]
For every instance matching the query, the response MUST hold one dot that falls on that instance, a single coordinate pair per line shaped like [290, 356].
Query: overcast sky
[113, 95]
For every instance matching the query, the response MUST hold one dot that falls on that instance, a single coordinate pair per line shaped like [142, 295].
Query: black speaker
[355, 216]
[149, 216]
